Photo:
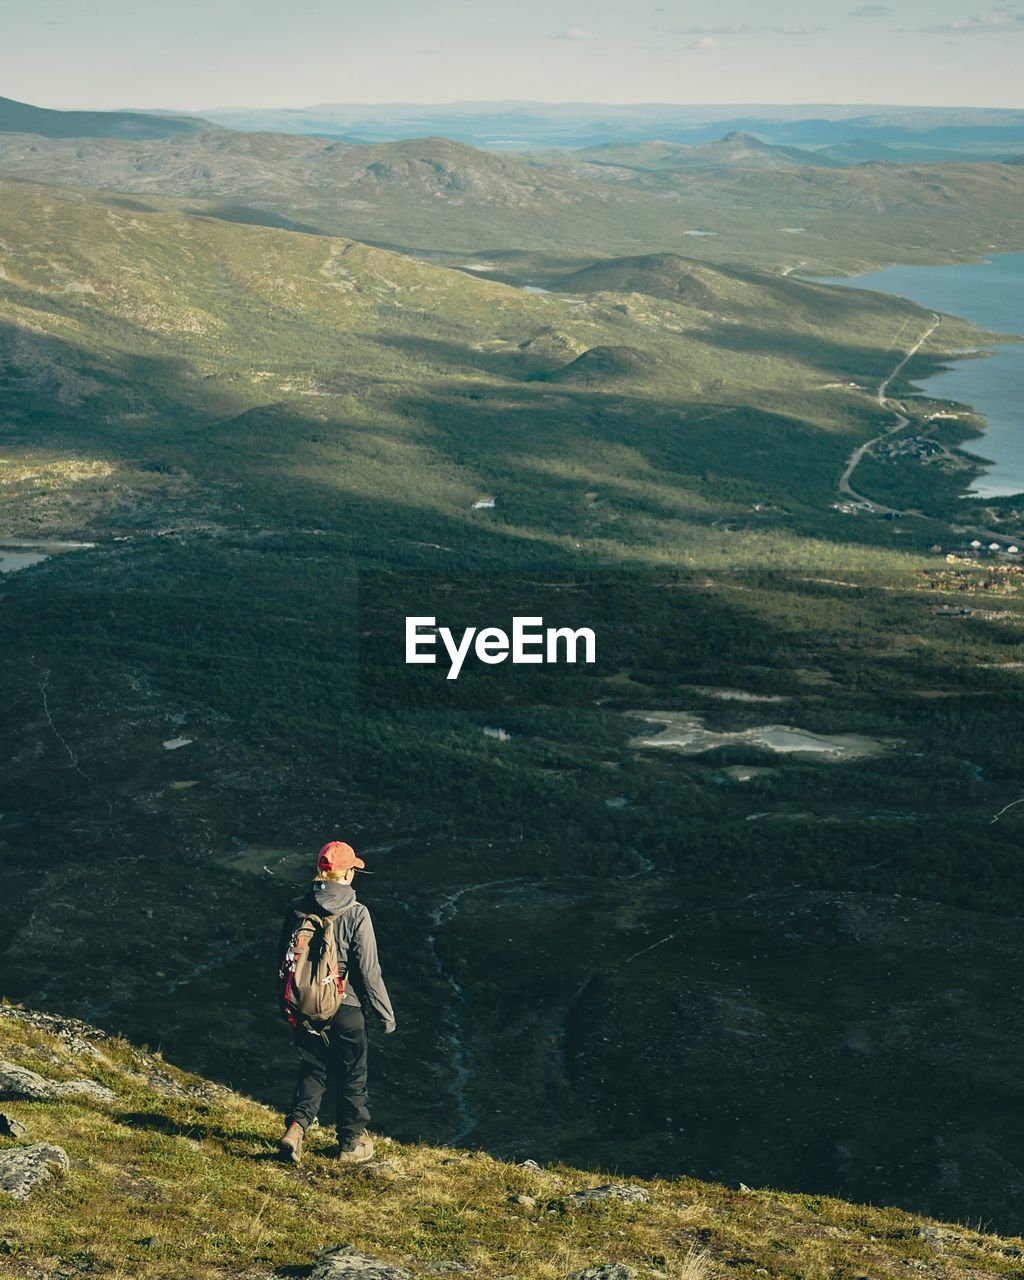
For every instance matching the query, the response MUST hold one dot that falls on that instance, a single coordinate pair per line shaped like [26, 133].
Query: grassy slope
[390, 193]
[177, 1177]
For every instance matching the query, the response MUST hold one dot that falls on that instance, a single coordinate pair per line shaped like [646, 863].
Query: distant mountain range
[525, 125]
[835, 134]
[739, 150]
[735, 150]
[20, 117]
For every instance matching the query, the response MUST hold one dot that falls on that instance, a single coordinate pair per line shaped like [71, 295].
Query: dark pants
[340, 1060]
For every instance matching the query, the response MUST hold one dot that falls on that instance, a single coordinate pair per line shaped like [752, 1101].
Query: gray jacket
[357, 945]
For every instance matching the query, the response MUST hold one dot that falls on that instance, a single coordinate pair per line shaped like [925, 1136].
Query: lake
[685, 732]
[12, 561]
[991, 294]
[16, 553]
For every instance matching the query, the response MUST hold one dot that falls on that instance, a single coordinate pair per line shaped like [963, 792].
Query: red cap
[336, 855]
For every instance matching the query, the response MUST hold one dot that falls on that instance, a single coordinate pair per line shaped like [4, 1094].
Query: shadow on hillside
[252, 217]
[543, 449]
[60, 393]
[832, 359]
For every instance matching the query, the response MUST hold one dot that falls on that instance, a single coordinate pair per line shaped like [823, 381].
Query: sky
[195, 54]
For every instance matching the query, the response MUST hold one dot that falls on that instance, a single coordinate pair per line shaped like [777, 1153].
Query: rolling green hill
[784, 217]
[20, 117]
[267, 323]
[866, 150]
[735, 150]
[688, 282]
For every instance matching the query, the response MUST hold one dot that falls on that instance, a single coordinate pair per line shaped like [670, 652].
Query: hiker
[328, 971]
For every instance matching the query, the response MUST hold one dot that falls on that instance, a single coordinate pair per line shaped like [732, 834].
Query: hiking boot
[356, 1150]
[290, 1146]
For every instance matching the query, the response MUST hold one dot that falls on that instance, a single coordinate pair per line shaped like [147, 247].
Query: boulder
[937, 1237]
[19, 1082]
[22, 1169]
[605, 1271]
[11, 1128]
[611, 1191]
[524, 1202]
[344, 1261]
[64, 1028]
[160, 1080]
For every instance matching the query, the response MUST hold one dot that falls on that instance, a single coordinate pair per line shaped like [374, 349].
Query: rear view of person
[328, 971]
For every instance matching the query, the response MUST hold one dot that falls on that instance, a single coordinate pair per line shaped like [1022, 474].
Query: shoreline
[978, 418]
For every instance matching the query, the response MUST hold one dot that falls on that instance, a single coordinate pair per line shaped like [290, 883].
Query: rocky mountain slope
[113, 1162]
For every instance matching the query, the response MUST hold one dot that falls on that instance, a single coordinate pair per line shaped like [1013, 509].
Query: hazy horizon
[759, 104]
[207, 55]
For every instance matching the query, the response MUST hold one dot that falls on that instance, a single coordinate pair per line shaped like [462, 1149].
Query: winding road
[899, 422]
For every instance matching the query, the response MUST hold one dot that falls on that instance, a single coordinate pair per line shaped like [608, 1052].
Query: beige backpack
[313, 984]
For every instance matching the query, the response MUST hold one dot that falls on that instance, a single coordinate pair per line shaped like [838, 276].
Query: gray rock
[344, 1261]
[19, 1082]
[77, 1045]
[528, 1164]
[164, 1083]
[606, 1271]
[22, 1169]
[937, 1237]
[67, 1029]
[11, 1128]
[612, 1191]
[524, 1202]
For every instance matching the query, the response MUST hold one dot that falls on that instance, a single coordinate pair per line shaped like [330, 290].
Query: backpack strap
[301, 913]
[332, 921]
